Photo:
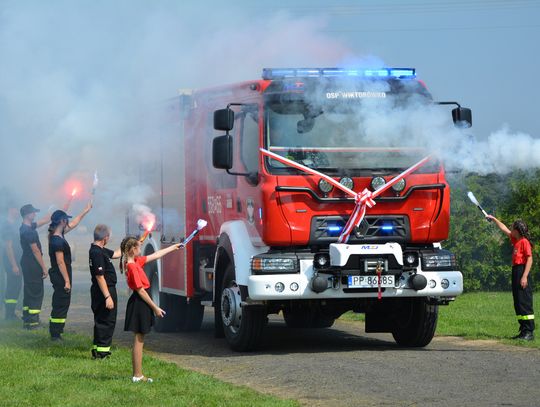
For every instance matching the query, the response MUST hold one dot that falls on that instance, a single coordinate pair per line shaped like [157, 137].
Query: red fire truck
[271, 245]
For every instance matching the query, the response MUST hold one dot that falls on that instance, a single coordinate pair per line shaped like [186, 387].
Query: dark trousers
[13, 289]
[523, 299]
[60, 302]
[104, 319]
[33, 290]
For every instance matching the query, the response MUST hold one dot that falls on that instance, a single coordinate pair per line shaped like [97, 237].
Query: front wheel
[242, 325]
[416, 323]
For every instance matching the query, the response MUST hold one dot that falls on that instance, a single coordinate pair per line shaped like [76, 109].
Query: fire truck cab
[271, 242]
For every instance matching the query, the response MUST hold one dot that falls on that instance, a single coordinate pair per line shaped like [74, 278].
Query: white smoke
[144, 216]
[385, 122]
[80, 81]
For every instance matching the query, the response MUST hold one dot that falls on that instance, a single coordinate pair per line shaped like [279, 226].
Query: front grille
[384, 228]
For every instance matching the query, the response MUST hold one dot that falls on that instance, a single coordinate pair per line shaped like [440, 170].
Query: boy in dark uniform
[61, 272]
[32, 265]
[12, 252]
[103, 291]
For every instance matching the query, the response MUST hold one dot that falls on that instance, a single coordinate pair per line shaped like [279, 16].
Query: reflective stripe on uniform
[58, 320]
[94, 347]
[103, 348]
[25, 308]
[10, 301]
[34, 311]
[32, 323]
[525, 317]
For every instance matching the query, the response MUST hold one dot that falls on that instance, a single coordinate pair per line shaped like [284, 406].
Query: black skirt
[139, 315]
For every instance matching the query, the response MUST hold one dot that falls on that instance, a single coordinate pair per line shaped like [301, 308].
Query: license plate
[370, 281]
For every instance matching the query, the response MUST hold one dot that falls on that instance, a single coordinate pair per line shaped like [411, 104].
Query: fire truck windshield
[333, 139]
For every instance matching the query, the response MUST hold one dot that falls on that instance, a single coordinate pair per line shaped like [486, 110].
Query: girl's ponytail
[52, 227]
[125, 247]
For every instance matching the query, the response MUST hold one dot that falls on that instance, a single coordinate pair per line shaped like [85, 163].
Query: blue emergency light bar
[282, 73]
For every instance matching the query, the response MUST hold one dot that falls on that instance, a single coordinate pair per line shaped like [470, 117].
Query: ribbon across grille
[363, 200]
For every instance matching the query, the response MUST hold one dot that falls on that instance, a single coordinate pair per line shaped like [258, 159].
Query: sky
[481, 53]
[77, 78]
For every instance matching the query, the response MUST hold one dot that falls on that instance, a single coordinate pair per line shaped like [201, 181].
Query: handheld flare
[147, 231]
[95, 183]
[201, 224]
[475, 201]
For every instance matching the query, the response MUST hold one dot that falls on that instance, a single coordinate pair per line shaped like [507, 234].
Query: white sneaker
[141, 379]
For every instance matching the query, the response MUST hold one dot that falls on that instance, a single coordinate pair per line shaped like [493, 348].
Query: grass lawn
[482, 315]
[487, 315]
[37, 372]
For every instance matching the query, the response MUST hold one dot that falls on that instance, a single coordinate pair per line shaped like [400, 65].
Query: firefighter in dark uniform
[12, 252]
[103, 291]
[32, 265]
[522, 290]
[61, 273]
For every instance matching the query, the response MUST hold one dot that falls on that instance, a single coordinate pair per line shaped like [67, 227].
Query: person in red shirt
[141, 310]
[521, 282]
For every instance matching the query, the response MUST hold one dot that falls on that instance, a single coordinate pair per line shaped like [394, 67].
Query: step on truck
[260, 160]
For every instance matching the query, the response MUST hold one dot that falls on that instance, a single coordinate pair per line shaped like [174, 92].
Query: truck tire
[307, 319]
[242, 326]
[190, 315]
[415, 323]
[164, 301]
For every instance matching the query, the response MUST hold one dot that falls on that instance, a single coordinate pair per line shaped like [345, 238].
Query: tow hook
[418, 282]
[319, 283]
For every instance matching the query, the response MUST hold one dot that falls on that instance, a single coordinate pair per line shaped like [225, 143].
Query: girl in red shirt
[521, 282]
[141, 310]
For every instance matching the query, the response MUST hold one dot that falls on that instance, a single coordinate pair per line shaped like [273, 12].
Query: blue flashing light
[387, 228]
[334, 228]
[402, 73]
[377, 72]
[282, 73]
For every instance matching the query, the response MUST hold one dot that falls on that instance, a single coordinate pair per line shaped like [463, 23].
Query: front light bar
[439, 260]
[273, 264]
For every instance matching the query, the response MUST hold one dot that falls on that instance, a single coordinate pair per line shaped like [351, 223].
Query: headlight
[347, 182]
[377, 182]
[325, 186]
[268, 264]
[411, 259]
[321, 260]
[399, 186]
[438, 260]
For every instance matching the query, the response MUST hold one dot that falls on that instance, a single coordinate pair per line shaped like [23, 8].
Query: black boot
[518, 335]
[526, 336]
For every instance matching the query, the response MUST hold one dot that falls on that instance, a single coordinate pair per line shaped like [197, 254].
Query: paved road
[343, 366]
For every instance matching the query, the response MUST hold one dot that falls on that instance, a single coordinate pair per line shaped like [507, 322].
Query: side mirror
[224, 119]
[462, 117]
[222, 154]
